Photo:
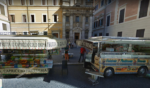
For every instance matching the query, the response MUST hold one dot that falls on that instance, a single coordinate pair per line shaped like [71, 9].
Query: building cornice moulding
[34, 9]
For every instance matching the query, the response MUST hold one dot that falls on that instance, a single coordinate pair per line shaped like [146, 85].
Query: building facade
[128, 18]
[4, 21]
[36, 17]
[77, 19]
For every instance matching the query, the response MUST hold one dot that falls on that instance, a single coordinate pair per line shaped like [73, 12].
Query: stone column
[90, 27]
[64, 26]
[71, 28]
[83, 26]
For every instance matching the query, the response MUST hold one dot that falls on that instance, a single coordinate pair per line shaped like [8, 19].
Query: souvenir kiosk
[28, 54]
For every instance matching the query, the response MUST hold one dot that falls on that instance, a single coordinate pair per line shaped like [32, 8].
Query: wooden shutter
[54, 2]
[101, 22]
[10, 19]
[4, 27]
[121, 19]
[31, 2]
[107, 34]
[100, 34]
[2, 9]
[10, 2]
[108, 20]
[143, 8]
[43, 2]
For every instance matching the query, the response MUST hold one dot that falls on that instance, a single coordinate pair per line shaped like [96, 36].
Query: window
[96, 7]
[45, 32]
[96, 24]
[107, 34]
[22, 2]
[119, 34]
[55, 35]
[31, 2]
[24, 18]
[95, 35]
[43, 2]
[140, 33]
[10, 2]
[102, 3]
[4, 27]
[13, 33]
[67, 18]
[100, 34]
[12, 18]
[86, 34]
[121, 19]
[25, 33]
[108, 20]
[77, 18]
[86, 19]
[67, 34]
[32, 18]
[2, 10]
[109, 1]
[101, 22]
[143, 8]
[44, 18]
[55, 18]
[54, 2]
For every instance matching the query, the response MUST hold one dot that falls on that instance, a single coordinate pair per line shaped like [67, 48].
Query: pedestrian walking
[82, 51]
[66, 53]
[69, 45]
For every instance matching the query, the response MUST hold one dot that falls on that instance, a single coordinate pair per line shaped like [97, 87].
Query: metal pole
[28, 17]
[48, 15]
[104, 18]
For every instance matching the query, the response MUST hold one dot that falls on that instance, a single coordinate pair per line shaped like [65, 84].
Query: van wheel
[142, 71]
[109, 72]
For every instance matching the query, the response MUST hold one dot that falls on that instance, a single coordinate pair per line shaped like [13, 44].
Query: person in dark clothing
[66, 53]
[82, 51]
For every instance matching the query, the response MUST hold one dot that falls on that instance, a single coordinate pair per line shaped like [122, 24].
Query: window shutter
[14, 18]
[108, 20]
[143, 8]
[121, 19]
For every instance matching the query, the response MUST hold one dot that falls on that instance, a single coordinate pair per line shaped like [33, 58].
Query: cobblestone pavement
[76, 78]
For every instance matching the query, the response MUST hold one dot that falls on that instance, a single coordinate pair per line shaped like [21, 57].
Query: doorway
[76, 36]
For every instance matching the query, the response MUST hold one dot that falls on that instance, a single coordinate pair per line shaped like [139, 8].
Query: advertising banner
[23, 70]
[32, 44]
[84, 43]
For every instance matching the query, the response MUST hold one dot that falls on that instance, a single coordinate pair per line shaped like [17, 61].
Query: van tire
[109, 72]
[142, 71]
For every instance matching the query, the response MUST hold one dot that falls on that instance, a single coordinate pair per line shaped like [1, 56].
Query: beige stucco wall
[37, 9]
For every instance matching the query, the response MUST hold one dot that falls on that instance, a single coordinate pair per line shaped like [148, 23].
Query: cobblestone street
[76, 78]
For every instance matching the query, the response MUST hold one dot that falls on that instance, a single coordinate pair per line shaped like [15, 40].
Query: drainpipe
[8, 15]
[47, 16]
[28, 18]
[105, 19]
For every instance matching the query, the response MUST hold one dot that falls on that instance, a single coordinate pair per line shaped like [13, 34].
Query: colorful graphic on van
[140, 60]
[111, 60]
[127, 69]
[125, 60]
